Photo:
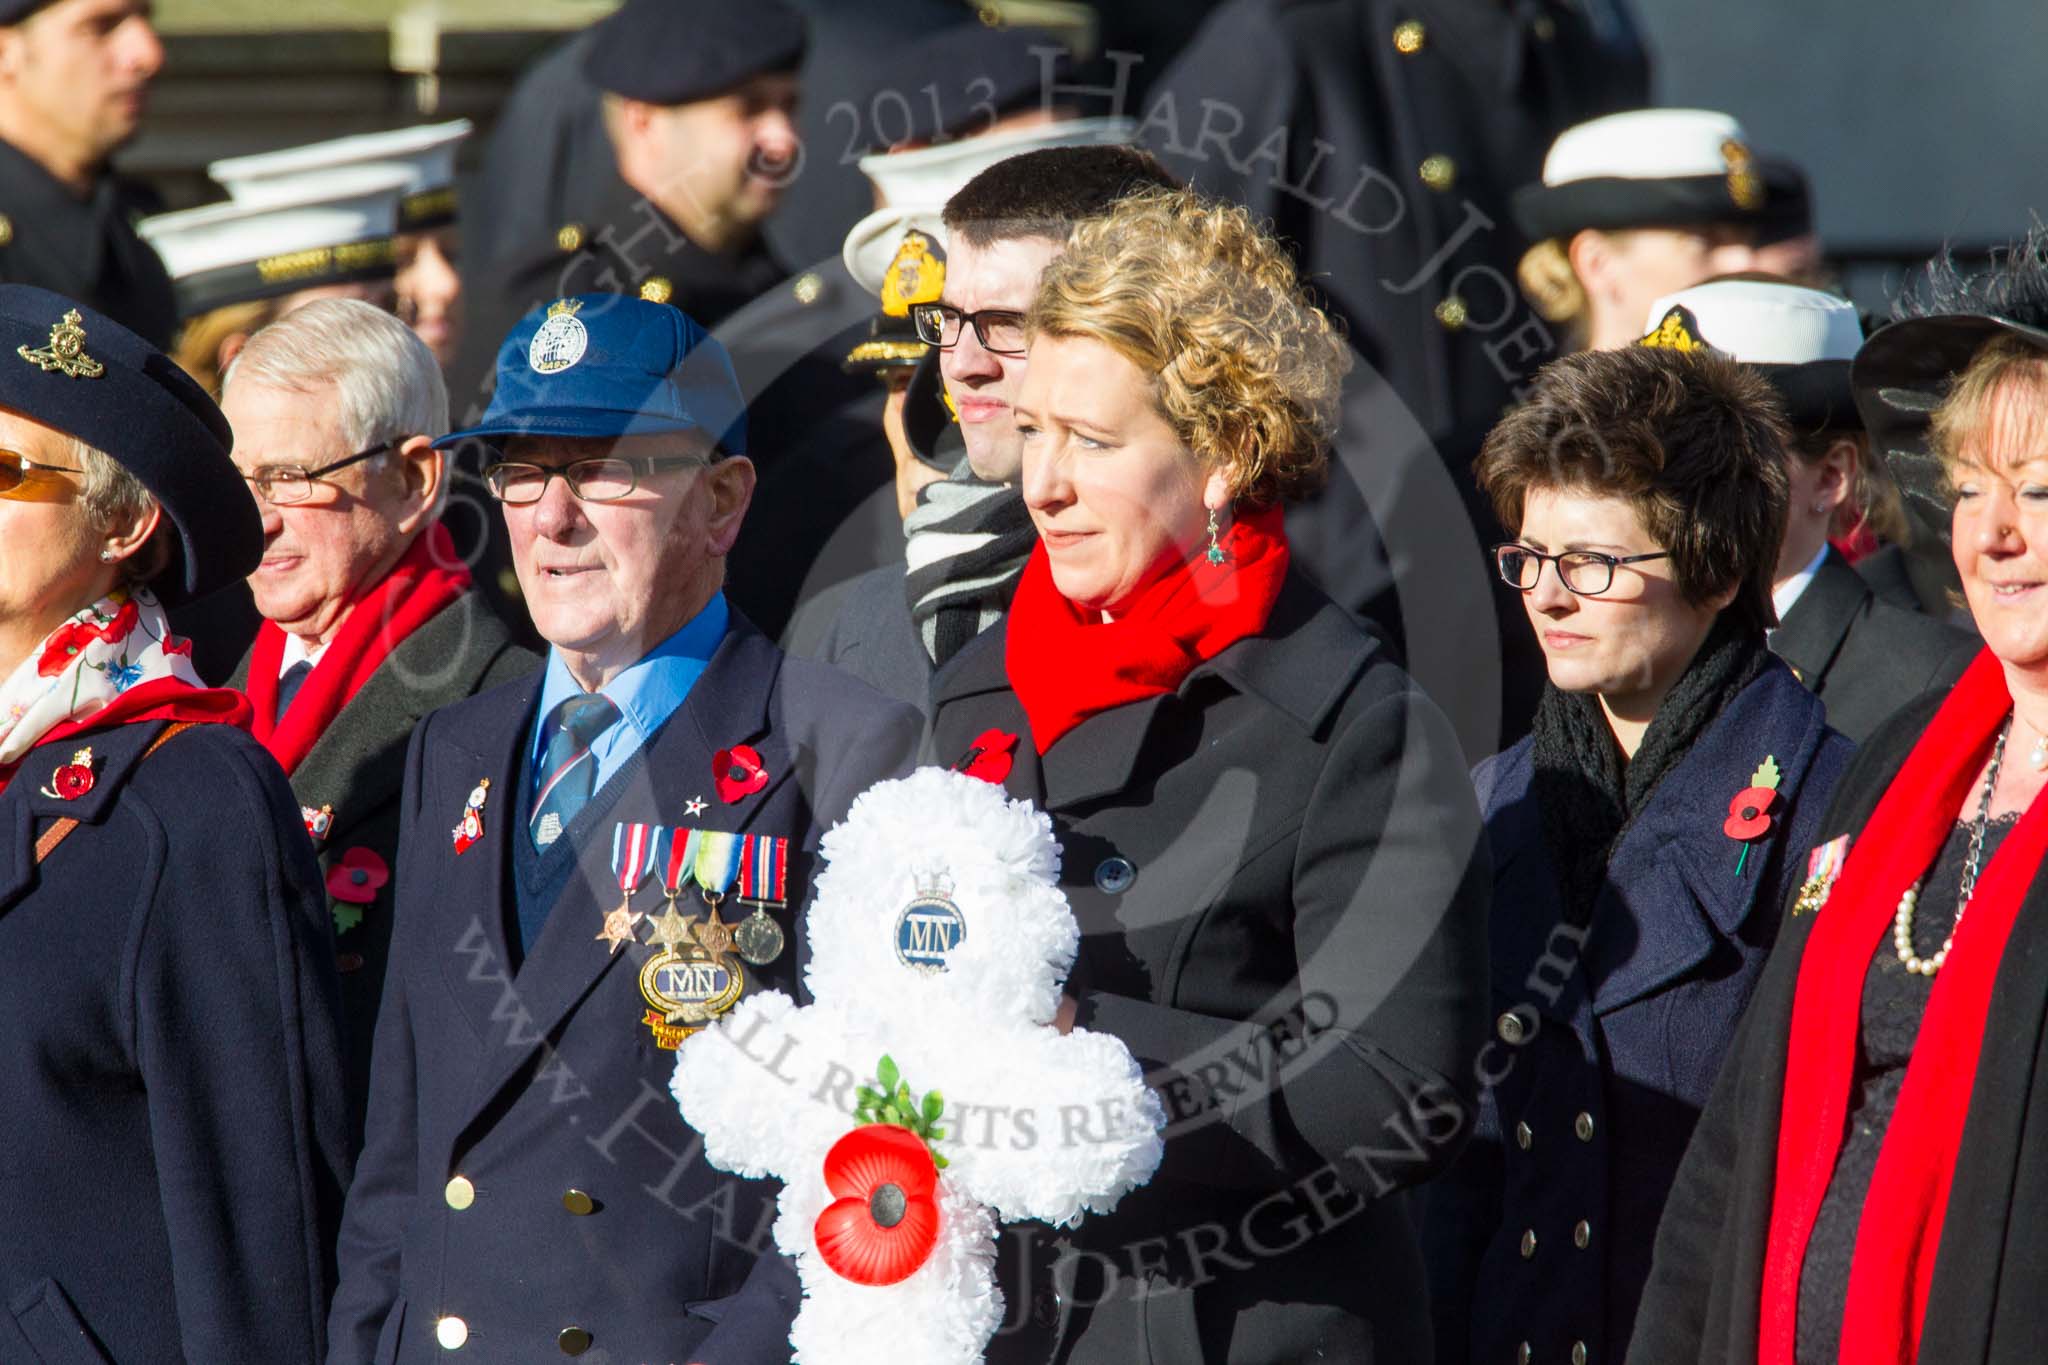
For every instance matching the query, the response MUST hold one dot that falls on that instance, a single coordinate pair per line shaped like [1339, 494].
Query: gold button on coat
[1583, 1126]
[451, 1333]
[1451, 313]
[1409, 37]
[1510, 1028]
[460, 1194]
[1578, 1353]
[1439, 172]
[578, 1203]
[1582, 1234]
[1529, 1244]
[1524, 1136]
[574, 1341]
[1522, 1354]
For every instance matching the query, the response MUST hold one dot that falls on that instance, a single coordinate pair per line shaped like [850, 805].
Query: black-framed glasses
[1586, 573]
[1000, 330]
[606, 478]
[15, 468]
[284, 484]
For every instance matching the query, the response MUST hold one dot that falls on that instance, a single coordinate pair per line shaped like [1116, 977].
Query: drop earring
[1216, 553]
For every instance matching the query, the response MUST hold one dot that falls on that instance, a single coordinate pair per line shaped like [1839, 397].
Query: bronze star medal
[621, 926]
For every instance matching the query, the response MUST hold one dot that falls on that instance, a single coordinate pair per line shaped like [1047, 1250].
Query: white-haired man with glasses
[369, 619]
[525, 1180]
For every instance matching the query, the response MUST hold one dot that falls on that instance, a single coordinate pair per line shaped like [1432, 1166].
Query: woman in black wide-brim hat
[172, 1157]
[1866, 1182]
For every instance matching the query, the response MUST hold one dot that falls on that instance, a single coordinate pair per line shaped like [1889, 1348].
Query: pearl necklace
[1902, 922]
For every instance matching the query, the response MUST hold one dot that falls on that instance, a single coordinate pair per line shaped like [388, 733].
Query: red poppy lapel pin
[738, 773]
[1749, 812]
[353, 880]
[990, 757]
[471, 827]
[71, 780]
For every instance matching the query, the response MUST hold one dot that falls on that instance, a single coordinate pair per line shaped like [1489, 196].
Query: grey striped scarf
[968, 541]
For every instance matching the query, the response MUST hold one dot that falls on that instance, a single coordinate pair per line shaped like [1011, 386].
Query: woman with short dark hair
[1643, 835]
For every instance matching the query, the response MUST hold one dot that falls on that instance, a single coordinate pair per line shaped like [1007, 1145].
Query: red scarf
[170, 699]
[1067, 664]
[415, 590]
[1900, 1232]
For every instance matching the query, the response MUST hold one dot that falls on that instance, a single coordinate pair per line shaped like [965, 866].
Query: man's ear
[425, 471]
[731, 483]
[1592, 258]
[13, 53]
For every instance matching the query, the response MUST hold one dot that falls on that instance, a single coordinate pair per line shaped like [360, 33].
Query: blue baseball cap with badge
[609, 365]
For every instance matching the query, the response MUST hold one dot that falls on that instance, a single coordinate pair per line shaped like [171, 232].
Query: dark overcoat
[1606, 1041]
[1985, 1305]
[532, 1083]
[353, 773]
[174, 1144]
[84, 247]
[1863, 656]
[1281, 888]
[873, 636]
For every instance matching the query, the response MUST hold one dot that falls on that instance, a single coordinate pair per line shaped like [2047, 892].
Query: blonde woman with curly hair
[1267, 834]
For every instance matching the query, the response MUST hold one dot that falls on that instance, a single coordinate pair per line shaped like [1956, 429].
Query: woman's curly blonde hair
[1246, 370]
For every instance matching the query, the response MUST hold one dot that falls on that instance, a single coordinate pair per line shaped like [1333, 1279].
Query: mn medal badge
[692, 979]
[471, 827]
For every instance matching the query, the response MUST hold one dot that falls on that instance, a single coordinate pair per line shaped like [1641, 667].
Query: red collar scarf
[415, 590]
[1900, 1232]
[1067, 664]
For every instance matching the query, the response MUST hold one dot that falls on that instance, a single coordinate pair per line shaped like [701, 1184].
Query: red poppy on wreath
[884, 1221]
[990, 757]
[72, 780]
[738, 773]
[357, 875]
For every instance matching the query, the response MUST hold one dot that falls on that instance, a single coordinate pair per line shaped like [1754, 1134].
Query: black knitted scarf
[1588, 795]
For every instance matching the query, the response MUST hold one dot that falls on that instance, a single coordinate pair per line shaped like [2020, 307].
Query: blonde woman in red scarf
[173, 1152]
[1867, 1183]
[1266, 831]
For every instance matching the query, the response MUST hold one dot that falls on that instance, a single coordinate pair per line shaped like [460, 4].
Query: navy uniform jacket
[1605, 1046]
[533, 1084]
[1281, 890]
[354, 770]
[172, 1153]
[84, 249]
[1863, 656]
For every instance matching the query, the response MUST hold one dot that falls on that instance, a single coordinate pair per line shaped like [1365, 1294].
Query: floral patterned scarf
[115, 661]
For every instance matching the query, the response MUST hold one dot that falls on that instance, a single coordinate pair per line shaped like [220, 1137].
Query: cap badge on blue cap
[560, 341]
[66, 351]
[1677, 330]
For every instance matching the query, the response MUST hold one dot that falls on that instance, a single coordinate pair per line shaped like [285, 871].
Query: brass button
[6, 229]
[1528, 1244]
[577, 1202]
[1439, 172]
[1582, 1234]
[1451, 313]
[1522, 1354]
[1524, 1136]
[569, 236]
[1578, 1353]
[657, 289]
[1583, 1126]
[1511, 1028]
[1409, 37]
[1544, 27]
[574, 1341]
[808, 288]
[459, 1193]
[451, 1333]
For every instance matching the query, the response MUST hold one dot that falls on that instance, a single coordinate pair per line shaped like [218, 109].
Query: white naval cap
[1799, 339]
[339, 232]
[1644, 168]
[424, 154]
[916, 185]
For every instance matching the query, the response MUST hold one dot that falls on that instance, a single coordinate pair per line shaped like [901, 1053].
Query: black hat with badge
[1658, 168]
[1800, 340]
[679, 51]
[80, 372]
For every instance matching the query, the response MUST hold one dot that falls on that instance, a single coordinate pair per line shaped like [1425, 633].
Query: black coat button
[1045, 1309]
[1114, 875]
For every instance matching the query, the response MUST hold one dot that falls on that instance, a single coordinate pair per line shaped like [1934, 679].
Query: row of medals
[694, 978]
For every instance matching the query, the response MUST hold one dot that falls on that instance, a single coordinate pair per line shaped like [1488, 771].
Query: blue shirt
[647, 693]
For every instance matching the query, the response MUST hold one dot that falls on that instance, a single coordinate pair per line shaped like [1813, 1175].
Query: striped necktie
[568, 770]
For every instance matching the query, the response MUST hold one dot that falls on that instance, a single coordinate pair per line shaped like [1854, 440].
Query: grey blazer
[873, 638]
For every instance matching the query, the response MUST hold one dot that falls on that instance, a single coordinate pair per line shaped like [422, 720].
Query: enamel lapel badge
[471, 827]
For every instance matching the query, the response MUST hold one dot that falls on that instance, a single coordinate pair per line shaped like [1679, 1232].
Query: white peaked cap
[1643, 144]
[1760, 323]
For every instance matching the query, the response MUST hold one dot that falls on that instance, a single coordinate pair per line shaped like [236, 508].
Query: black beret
[954, 82]
[78, 371]
[677, 51]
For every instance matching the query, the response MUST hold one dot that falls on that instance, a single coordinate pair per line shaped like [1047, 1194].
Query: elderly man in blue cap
[526, 1185]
